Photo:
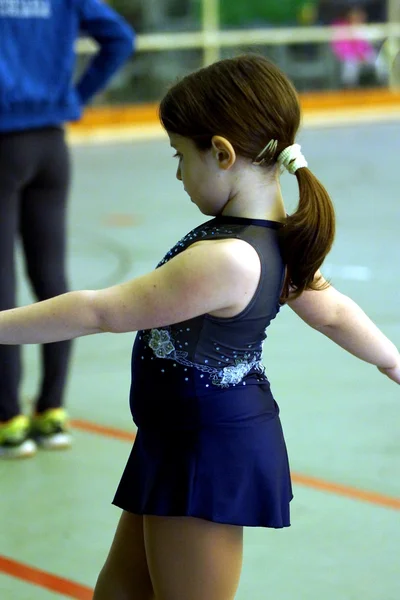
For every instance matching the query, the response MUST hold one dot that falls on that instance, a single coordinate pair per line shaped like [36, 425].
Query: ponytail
[307, 236]
[251, 102]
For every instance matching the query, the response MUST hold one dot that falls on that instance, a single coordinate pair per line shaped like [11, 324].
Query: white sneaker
[15, 441]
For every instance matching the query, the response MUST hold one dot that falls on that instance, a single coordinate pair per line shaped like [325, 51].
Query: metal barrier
[211, 39]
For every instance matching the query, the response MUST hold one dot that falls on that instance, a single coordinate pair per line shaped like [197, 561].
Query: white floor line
[110, 135]
[353, 116]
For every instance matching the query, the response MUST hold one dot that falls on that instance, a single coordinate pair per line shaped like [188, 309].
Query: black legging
[34, 185]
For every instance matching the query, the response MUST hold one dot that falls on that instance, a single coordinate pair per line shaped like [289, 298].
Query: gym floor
[341, 417]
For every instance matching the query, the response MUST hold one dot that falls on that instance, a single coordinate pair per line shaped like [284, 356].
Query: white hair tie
[292, 158]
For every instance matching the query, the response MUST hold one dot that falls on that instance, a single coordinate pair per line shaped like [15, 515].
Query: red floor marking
[60, 585]
[344, 490]
[304, 480]
[111, 432]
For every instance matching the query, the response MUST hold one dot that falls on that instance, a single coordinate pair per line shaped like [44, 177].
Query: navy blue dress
[209, 441]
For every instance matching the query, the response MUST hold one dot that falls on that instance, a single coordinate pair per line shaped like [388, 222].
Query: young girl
[355, 53]
[201, 317]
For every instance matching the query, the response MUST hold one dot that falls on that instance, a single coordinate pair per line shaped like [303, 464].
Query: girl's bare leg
[192, 559]
[125, 575]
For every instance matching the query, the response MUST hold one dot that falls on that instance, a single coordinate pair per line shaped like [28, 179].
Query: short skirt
[236, 474]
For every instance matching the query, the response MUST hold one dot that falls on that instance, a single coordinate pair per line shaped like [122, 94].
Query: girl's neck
[263, 201]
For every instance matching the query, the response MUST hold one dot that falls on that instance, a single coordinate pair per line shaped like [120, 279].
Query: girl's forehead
[175, 139]
[181, 142]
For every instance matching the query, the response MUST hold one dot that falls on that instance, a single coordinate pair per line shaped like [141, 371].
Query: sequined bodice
[206, 355]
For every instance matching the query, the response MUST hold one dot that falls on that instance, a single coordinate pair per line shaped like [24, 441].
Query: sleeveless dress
[209, 442]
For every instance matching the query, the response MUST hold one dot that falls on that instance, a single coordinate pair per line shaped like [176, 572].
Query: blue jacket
[37, 59]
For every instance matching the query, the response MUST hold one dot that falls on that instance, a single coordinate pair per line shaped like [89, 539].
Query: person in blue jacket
[37, 96]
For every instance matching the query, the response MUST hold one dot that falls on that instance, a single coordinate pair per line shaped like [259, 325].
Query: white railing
[210, 39]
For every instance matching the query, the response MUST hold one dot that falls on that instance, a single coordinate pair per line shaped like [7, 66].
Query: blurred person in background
[37, 96]
[355, 53]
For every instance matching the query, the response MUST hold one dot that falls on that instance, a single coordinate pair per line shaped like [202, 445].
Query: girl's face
[204, 174]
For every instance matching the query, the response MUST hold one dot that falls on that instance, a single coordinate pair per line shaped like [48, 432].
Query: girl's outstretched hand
[393, 372]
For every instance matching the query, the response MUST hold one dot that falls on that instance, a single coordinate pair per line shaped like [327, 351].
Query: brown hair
[249, 101]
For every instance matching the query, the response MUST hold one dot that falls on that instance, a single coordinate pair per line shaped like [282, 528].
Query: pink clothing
[350, 49]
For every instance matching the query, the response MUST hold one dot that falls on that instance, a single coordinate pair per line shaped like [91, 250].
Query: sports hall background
[341, 417]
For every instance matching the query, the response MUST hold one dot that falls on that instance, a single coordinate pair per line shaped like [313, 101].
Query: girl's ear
[223, 152]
